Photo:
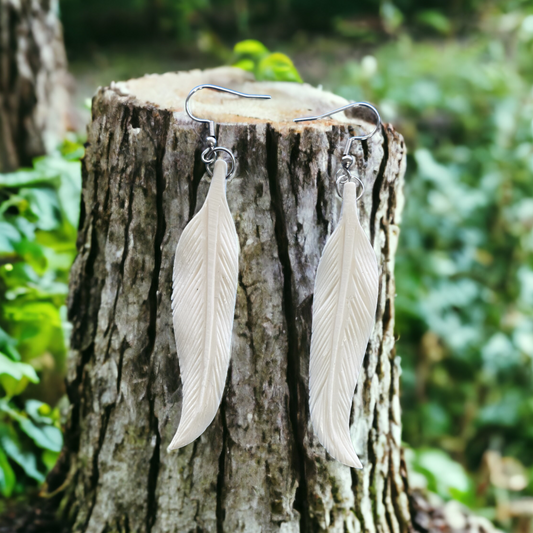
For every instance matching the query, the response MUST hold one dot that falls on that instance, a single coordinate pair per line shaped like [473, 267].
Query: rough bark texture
[259, 467]
[33, 81]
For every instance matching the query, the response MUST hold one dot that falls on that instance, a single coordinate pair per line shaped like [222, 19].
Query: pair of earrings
[205, 289]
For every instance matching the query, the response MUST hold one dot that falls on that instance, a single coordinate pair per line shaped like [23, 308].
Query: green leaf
[69, 189]
[253, 56]
[7, 476]
[39, 411]
[7, 346]
[37, 324]
[25, 228]
[277, 67]
[44, 206]
[47, 437]
[49, 459]
[71, 149]
[445, 476]
[14, 376]
[245, 64]
[26, 460]
[26, 178]
[9, 238]
[251, 48]
[54, 439]
[436, 21]
[32, 255]
[69, 195]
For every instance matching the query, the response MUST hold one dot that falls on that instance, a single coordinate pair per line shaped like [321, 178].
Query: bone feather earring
[344, 307]
[204, 291]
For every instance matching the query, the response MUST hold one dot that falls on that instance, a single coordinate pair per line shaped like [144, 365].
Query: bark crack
[293, 362]
[357, 507]
[376, 189]
[125, 251]
[220, 511]
[153, 473]
[320, 202]
[194, 182]
[160, 184]
[293, 165]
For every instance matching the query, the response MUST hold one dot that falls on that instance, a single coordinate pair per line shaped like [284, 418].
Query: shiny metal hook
[343, 108]
[223, 90]
[209, 154]
[348, 160]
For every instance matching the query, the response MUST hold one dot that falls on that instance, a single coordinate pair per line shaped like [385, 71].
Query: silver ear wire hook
[343, 108]
[209, 154]
[348, 160]
[223, 90]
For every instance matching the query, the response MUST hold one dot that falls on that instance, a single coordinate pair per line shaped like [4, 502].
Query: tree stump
[34, 100]
[259, 466]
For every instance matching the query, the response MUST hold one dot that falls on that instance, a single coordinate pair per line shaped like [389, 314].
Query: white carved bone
[344, 307]
[205, 280]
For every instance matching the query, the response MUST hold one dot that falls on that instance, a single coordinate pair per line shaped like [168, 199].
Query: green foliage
[39, 211]
[101, 22]
[254, 57]
[441, 474]
[391, 16]
[435, 20]
[15, 376]
[465, 261]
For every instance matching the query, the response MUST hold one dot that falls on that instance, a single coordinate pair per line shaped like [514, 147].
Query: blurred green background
[455, 78]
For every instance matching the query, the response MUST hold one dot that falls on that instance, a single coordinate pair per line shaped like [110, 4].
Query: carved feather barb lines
[344, 308]
[206, 269]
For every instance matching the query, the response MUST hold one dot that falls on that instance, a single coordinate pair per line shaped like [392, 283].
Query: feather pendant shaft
[206, 269]
[344, 307]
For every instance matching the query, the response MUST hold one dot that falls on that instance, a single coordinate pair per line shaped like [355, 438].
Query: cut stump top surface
[289, 100]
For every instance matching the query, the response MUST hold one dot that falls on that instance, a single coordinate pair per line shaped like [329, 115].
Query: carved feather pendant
[206, 269]
[344, 307]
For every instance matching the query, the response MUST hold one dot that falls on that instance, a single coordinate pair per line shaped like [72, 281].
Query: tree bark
[34, 100]
[259, 466]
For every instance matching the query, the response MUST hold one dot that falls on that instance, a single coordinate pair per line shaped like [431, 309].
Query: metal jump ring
[343, 177]
[233, 167]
